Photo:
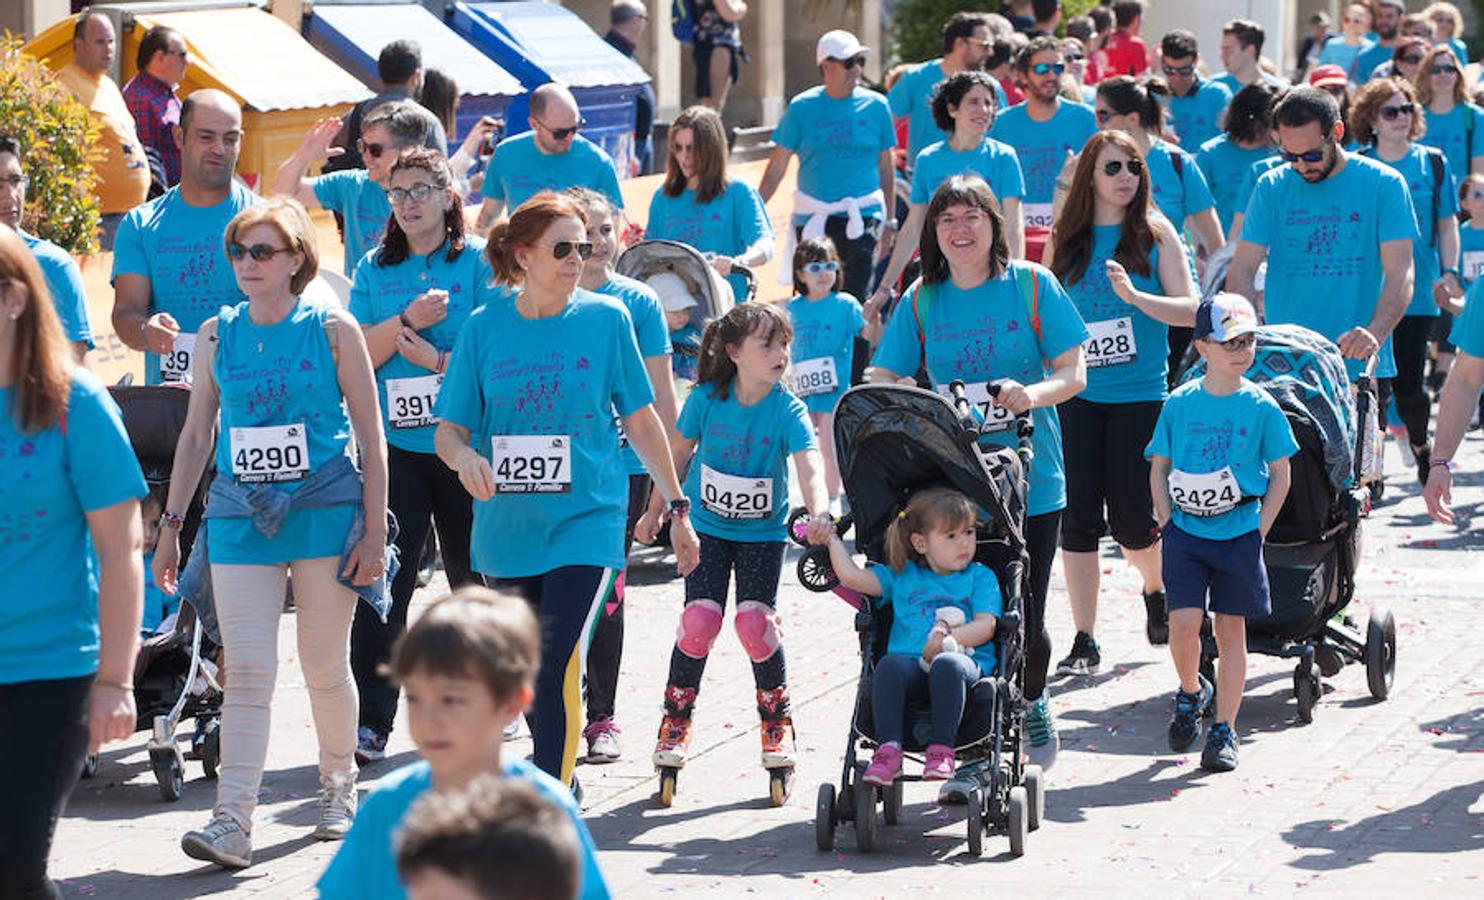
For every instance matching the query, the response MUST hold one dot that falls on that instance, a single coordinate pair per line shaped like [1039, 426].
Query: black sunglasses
[1105, 114]
[373, 150]
[562, 134]
[1114, 166]
[1311, 156]
[1411, 59]
[1392, 113]
[259, 252]
[1444, 69]
[563, 249]
[854, 62]
[1180, 70]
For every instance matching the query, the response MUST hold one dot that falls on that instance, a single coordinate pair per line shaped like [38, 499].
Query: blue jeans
[900, 680]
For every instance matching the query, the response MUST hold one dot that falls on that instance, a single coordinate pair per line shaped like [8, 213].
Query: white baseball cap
[838, 44]
[674, 295]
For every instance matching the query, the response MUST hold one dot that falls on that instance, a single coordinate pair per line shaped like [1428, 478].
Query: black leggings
[1409, 346]
[45, 724]
[1103, 448]
[422, 492]
[1041, 534]
[567, 601]
[606, 652]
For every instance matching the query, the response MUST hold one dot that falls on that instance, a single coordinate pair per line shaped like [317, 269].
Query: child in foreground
[468, 666]
[1219, 475]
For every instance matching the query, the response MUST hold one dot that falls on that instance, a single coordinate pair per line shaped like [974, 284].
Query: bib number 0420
[735, 497]
[269, 453]
[531, 463]
[1207, 494]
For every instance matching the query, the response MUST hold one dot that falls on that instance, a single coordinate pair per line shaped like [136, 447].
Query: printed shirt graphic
[912, 96]
[744, 442]
[1323, 241]
[826, 328]
[363, 204]
[49, 620]
[915, 595]
[992, 160]
[1427, 265]
[839, 142]
[519, 170]
[648, 319]
[1201, 434]
[730, 223]
[179, 248]
[1042, 147]
[1225, 166]
[1143, 377]
[563, 376]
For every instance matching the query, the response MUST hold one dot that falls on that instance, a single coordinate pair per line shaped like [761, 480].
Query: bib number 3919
[1207, 494]
[176, 365]
[736, 497]
[269, 453]
[531, 463]
[409, 401]
[1111, 343]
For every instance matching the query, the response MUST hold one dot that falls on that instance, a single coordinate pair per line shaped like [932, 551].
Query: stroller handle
[743, 272]
[1024, 427]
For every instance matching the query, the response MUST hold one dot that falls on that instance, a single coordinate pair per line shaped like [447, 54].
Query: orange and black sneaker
[674, 741]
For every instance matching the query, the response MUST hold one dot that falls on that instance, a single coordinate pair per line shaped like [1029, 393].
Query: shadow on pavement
[1135, 789]
[1463, 733]
[205, 881]
[1439, 824]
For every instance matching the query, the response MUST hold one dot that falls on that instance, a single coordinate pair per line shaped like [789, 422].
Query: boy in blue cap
[1219, 474]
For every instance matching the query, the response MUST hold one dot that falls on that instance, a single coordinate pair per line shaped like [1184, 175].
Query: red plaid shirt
[156, 111]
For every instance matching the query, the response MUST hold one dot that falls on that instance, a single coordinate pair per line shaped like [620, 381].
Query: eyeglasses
[819, 268]
[1238, 344]
[259, 252]
[1444, 69]
[1045, 68]
[854, 62]
[970, 220]
[1411, 59]
[563, 249]
[1476, 195]
[16, 182]
[562, 134]
[374, 151]
[419, 192]
[1180, 70]
[1074, 58]
[1112, 167]
[1392, 113]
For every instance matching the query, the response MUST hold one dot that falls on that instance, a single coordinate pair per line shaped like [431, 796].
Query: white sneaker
[337, 808]
[222, 841]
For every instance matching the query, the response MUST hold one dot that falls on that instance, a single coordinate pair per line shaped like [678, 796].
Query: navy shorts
[1231, 572]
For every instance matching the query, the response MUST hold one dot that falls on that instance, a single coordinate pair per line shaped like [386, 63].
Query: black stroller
[174, 677]
[894, 441]
[1313, 549]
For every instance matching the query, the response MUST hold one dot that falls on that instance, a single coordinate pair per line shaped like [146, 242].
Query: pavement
[1371, 798]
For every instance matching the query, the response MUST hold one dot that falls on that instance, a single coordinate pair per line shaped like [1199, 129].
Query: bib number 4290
[269, 453]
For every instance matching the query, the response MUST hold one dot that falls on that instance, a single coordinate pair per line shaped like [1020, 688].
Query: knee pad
[757, 628]
[700, 623]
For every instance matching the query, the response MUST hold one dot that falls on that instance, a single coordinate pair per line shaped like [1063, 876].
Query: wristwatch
[1453, 270]
[677, 509]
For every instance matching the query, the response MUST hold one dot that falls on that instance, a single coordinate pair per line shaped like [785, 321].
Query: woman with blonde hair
[1447, 29]
[1453, 124]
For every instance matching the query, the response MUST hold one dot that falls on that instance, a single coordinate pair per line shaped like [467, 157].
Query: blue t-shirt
[1323, 241]
[179, 248]
[1203, 434]
[648, 319]
[279, 375]
[1127, 361]
[915, 595]
[1459, 134]
[381, 292]
[839, 143]
[547, 389]
[518, 171]
[1196, 117]
[48, 573]
[157, 604]
[1427, 265]
[739, 449]
[1230, 82]
[685, 346]
[1226, 165]
[731, 222]
[362, 203]
[64, 283]
[1460, 50]
[1471, 255]
[992, 160]
[1468, 328]
[1042, 149]
[1347, 56]
[912, 96]
[984, 334]
[1177, 194]
[365, 866]
[1369, 59]
[1249, 181]
[823, 329]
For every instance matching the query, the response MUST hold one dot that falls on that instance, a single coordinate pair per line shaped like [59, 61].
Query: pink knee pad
[757, 627]
[700, 623]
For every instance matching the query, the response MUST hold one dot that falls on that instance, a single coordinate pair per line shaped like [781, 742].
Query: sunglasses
[1237, 344]
[1074, 58]
[1180, 70]
[1411, 59]
[1392, 113]
[1444, 69]
[1476, 195]
[418, 192]
[1113, 167]
[563, 249]
[854, 62]
[1310, 156]
[1104, 115]
[259, 252]
[374, 151]
[819, 268]
[562, 134]
[1045, 68]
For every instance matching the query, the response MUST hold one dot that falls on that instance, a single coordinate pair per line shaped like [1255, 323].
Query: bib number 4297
[531, 463]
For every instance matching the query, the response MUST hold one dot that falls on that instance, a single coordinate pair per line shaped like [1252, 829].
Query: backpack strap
[1030, 295]
[1436, 162]
[922, 302]
[1177, 159]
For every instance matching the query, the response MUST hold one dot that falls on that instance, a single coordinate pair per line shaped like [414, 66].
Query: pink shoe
[886, 765]
[939, 763]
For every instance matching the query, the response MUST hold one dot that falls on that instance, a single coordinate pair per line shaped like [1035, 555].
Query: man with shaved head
[170, 270]
[551, 156]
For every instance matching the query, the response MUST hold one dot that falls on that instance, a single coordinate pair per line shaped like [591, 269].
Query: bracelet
[1442, 464]
[402, 317]
[169, 519]
[1452, 270]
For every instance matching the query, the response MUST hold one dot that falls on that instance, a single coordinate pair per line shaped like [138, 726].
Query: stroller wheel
[1380, 653]
[1306, 691]
[1019, 819]
[824, 818]
[976, 823]
[891, 803]
[865, 818]
[211, 752]
[90, 766]
[169, 772]
[795, 518]
[1035, 790]
[815, 571]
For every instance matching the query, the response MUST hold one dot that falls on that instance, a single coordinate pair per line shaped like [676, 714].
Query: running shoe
[602, 741]
[886, 765]
[1185, 724]
[222, 841]
[370, 746]
[1043, 744]
[1220, 754]
[939, 764]
[674, 741]
[337, 808]
[1085, 659]
[1156, 619]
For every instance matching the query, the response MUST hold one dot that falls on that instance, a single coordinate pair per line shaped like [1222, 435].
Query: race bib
[269, 453]
[1205, 495]
[1111, 343]
[815, 376]
[409, 401]
[996, 418]
[1473, 264]
[176, 365]
[734, 497]
[531, 463]
[1037, 215]
[623, 436]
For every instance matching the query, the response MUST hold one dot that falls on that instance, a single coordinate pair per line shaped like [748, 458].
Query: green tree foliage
[917, 25]
[56, 138]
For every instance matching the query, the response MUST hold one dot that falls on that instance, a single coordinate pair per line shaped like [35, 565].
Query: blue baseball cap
[1224, 316]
